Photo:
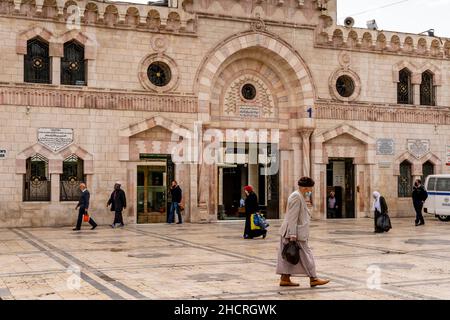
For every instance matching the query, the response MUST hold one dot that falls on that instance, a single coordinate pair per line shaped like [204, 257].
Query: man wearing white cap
[118, 202]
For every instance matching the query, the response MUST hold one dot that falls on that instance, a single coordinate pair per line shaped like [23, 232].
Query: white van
[438, 201]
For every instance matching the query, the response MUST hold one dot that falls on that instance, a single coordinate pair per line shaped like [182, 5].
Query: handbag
[260, 220]
[86, 217]
[384, 222]
[291, 252]
[254, 222]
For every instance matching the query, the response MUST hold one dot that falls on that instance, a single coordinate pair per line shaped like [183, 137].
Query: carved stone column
[305, 135]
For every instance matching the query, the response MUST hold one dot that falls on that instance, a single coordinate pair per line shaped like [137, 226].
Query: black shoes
[179, 222]
[75, 229]
[94, 227]
[420, 224]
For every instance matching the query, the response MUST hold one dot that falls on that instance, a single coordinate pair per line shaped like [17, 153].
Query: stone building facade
[99, 91]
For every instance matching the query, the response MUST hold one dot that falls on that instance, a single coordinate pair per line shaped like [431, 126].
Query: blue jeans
[171, 217]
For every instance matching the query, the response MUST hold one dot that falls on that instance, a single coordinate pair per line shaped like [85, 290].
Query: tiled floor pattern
[212, 261]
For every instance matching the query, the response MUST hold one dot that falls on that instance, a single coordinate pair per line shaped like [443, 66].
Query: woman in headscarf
[295, 227]
[251, 206]
[379, 207]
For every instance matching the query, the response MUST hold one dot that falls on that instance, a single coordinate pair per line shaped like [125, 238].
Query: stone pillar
[56, 70]
[298, 157]
[55, 187]
[306, 151]
[21, 70]
[91, 73]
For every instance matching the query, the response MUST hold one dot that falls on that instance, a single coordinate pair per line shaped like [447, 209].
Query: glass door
[152, 193]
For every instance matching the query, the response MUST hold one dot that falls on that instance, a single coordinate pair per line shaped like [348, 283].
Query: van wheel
[444, 218]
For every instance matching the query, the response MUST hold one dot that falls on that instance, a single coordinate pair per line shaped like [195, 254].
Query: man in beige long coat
[296, 228]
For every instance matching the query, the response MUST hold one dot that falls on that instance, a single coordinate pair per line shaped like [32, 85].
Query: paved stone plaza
[212, 261]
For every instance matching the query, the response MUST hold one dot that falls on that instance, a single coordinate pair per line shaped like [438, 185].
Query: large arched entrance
[254, 81]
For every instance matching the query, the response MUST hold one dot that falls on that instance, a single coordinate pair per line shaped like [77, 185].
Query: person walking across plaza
[177, 196]
[295, 228]
[83, 206]
[118, 202]
[251, 207]
[380, 208]
[419, 195]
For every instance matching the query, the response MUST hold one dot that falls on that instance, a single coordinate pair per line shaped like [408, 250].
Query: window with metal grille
[427, 170]
[37, 183]
[405, 180]
[70, 179]
[37, 62]
[404, 88]
[73, 64]
[427, 89]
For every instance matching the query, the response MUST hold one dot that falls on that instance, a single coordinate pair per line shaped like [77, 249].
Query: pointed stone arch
[432, 158]
[35, 31]
[281, 49]
[436, 71]
[416, 77]
[134, 129]
[81, 153]
[54, 159]
[416, 165]
[90, 45]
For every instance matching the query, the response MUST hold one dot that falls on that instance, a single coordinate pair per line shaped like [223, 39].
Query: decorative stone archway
[344, 141]
[270, 63]
[261, 40]
[158, 135]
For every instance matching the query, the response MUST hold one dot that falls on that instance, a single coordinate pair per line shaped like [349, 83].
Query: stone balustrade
[105, 13]
[383, 113]
[77, 97]
[358, 39]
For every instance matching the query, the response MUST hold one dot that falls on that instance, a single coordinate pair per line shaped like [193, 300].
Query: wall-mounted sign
[55, 139]
[385, 147]
[418, 147]
[3, 154]
[384, 165]
[249, 112]
[448, 155]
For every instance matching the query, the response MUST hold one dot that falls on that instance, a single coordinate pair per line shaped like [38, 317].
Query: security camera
[349, 22]
[372, 25]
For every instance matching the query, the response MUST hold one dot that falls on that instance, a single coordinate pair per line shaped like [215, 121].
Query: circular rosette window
[158, 73]
[248, 91]
[345, 85]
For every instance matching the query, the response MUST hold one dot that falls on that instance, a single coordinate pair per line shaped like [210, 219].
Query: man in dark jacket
[83, 204]
[419, 195]
[177, 195]
[118, 202]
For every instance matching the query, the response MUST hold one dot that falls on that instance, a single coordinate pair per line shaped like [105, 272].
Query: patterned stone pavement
[212, 261]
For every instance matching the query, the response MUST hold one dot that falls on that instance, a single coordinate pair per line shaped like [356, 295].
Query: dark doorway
[234, 179]
[341, 181]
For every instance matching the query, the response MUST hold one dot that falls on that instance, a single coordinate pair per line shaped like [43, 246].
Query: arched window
[405, 180]
[427, 170]
[427, 89]
[72, 176]
[37, 62]
[73, 64]
[404, 88]
[37, 179]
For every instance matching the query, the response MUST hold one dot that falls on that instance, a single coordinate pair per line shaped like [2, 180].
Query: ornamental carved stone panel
[248, 96]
